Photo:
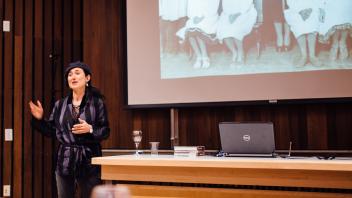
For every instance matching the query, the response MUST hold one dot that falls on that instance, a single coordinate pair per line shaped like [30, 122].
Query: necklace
[75, 111]
[75, 106]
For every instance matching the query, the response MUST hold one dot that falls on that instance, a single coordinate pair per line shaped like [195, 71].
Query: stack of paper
[189, 151]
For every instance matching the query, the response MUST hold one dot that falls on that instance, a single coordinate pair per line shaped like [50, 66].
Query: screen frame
[126, 105]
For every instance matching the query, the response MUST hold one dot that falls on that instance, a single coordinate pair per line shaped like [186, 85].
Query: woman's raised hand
[36, 110]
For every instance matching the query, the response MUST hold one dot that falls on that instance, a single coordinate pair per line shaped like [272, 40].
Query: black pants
[66, 185]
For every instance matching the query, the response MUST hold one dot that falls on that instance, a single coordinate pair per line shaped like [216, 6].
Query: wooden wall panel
[103, 50]
[94, 31]
[1, 97]
[157, 128]
[26, 72]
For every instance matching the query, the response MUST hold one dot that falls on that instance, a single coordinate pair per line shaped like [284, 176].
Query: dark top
[75, 151]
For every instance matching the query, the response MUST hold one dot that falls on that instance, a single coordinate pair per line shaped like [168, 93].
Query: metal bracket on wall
[174, 136]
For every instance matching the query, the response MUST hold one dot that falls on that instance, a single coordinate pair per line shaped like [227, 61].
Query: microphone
[289, 150]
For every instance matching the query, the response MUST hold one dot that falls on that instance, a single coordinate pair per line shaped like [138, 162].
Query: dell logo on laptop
[246, 138]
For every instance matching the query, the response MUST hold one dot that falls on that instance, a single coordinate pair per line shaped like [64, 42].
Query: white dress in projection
[338, 15]
[299, 25]
[205, 9]
[172, 10]
[242, 25]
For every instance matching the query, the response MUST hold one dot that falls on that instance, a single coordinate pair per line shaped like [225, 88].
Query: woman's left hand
[82, 127]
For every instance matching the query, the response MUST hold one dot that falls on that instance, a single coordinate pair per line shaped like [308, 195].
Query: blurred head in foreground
[111, 191]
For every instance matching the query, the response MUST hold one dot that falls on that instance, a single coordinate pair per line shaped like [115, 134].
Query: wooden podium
[274, 173]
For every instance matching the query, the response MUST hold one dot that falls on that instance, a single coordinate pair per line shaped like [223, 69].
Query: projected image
[233, 37]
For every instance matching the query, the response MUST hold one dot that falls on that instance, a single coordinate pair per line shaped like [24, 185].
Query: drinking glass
[154, 147]
[137, 138]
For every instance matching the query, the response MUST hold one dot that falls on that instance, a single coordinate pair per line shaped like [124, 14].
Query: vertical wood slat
[76, 29]
[18, 101]
[67, 31]
[111, 70]
[48, 143]
[28, 93]
[18, 115]
[282, 138]
[57, 49]
[38, 93]
[137, 121]
[8, 94]
[297, 123]
[174, 131]
[58, 46]
[317, 127]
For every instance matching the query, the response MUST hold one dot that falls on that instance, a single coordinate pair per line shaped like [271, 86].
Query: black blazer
[75, 151]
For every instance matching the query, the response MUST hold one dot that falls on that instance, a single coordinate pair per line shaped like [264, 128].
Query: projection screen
[205, 51]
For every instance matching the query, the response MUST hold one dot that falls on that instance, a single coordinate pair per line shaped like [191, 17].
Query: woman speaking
[79, 122]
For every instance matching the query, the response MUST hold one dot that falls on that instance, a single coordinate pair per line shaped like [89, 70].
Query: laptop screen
[247, 138]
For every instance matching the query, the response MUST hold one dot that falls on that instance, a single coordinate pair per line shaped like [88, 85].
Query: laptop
[247, 139]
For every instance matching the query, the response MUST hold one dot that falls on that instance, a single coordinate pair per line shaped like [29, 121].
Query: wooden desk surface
[305, 172]
[226, 162]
